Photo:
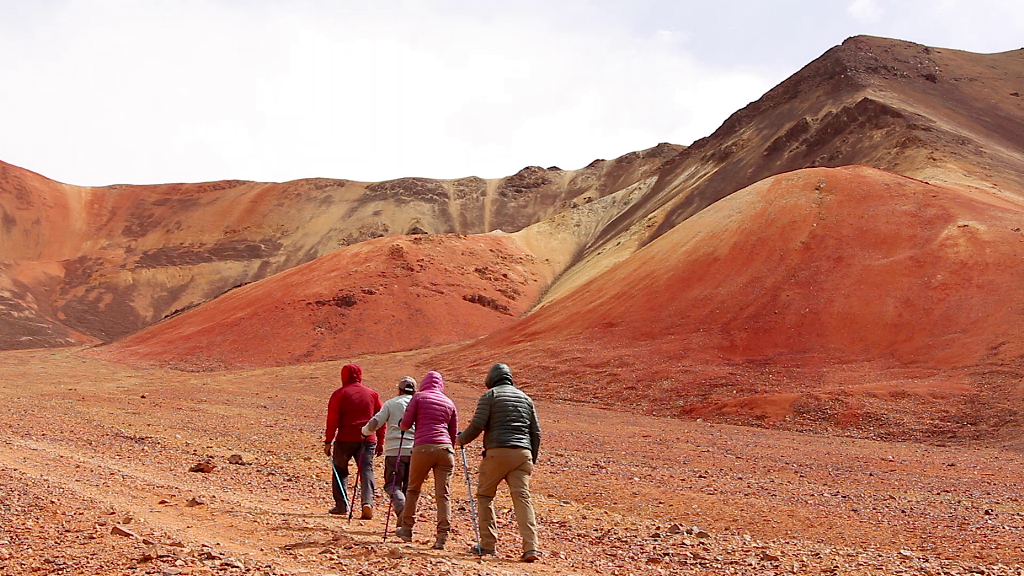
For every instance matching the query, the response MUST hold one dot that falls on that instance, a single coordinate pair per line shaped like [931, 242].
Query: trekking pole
[472, 504]
[394, 486]
[338, 480]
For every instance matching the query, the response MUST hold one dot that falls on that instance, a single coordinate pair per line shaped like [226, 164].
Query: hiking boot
[531, 556]
[404, 533]
[476, 549]
[338, 510]
[367, 512]
[440, 542]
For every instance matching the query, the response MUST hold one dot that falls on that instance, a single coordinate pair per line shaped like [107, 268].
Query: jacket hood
[432, 382]
[498, 375]
[350, 374]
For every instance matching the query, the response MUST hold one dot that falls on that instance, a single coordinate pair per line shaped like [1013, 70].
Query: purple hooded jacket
[432, 412]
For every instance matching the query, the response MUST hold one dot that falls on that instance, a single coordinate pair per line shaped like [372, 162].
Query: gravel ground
[95, 479]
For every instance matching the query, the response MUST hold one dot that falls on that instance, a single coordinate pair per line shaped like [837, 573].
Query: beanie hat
[407, 385]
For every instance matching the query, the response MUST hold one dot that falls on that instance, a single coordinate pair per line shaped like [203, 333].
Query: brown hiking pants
[426, 457]
[514, 466]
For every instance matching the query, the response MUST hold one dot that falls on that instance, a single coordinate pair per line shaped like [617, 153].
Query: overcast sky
[98, 92]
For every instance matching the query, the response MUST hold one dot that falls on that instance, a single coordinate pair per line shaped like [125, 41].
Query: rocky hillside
[942, 116]
[95, 264]
[847, 298]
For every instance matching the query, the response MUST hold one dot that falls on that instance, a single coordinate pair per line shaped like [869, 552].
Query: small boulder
[156, 551]
[122, 531]
[204, 467]
[394, 552]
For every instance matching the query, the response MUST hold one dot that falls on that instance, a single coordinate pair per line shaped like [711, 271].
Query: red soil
[383, 295]
[801, 284]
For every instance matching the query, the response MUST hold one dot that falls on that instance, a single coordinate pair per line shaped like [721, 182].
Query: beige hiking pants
[514, 466]
[426, 457]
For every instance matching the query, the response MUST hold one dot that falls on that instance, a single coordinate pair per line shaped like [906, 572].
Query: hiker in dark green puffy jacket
[508, 419]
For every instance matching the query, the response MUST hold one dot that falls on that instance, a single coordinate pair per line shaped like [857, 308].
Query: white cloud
[119, 91]
[865, 9]
[665, 36]
[102, 91]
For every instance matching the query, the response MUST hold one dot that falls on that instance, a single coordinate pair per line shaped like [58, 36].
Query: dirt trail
[96, 446]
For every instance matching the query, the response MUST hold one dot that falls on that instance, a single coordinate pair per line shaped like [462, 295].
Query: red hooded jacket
[351, 407]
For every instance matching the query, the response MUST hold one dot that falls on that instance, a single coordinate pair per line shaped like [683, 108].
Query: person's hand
[327, 449]
[380, 449]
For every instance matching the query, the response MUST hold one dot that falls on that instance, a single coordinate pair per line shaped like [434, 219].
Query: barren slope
[382, 295]
[106, 262]
[939, 115]
[768, 294]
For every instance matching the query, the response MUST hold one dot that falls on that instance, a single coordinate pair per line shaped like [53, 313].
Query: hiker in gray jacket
[508, 419]
[396, 465]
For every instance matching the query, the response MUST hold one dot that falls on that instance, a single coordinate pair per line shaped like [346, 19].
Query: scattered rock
[302, 545]
[766, 556]
[675, 529]
[237, 460]
[156, 551]
[394, 552]
[204, 467]
[697, 532]
[195, 501]
[906, 554]
[122, 531]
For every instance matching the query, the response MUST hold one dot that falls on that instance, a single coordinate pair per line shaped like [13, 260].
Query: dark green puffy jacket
[505, 414]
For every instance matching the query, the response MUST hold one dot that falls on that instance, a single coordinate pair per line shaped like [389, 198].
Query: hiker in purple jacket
[436, 421]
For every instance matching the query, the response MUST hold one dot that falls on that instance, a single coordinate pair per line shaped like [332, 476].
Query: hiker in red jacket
[350, 408]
